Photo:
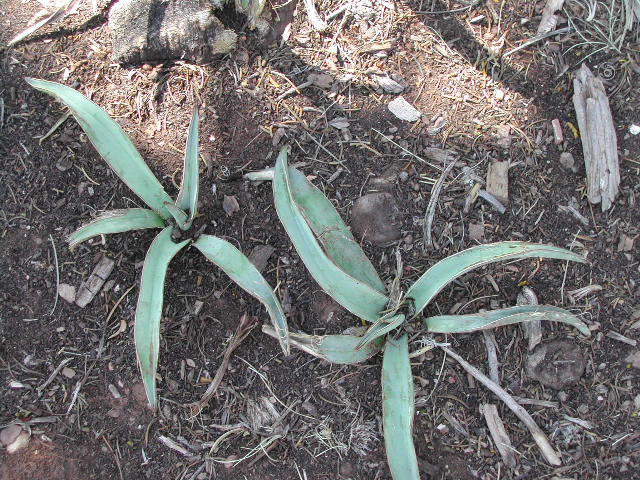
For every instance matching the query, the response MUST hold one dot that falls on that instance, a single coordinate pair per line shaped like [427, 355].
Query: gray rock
[157, 30]
[67, 292]
[373, 218]
[557, 364]
[260, 255]
[567, 162]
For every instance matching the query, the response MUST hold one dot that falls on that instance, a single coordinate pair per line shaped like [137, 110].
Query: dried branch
[599, 143]
[538, 435]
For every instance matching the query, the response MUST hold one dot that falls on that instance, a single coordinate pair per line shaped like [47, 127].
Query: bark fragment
[599, 143]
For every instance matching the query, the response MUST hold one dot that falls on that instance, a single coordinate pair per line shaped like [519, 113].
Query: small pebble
[9, 434]
[498, 94]
[566, 161]
[68, 372]
[443, 429]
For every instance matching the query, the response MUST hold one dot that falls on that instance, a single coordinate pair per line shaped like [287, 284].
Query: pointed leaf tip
[111, 142]
[149, 308]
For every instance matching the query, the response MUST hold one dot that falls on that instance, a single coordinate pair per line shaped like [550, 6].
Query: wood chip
[558, 136]
[404, 110]
[174, 446]
[476, 231]
[499, 434]
[230, 205]
[260, 255]
[67, 292]
[621, 338]
[498, 181]
[92, 286]
[389, 85]
[599, 143]
[625, 243]
[549, 18]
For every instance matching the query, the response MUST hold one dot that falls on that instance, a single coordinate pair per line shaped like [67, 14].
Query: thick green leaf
[111, 142]
[116, 221]
[332, 233]
[187, 199]
[340, 349]
[149, 309]
[240, 269]
[381, 327]
[356, 296]
[398, 410]
[499, 318]
[447, 270]
[181, 218]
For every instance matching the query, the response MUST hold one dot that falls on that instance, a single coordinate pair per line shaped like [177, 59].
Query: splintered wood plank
[94, 283]
[499, 434]
[599, 143]
[498, 181]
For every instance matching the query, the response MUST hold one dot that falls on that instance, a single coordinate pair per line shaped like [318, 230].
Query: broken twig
[247, 324]
[538, 435]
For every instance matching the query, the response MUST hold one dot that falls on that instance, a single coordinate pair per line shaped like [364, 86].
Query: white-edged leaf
[380, 328]
[356, 296]
[181, 218]
[112, 143]
[327, 225]
[398, 410]
[187, 199]
[240, 269]
[340, 349]
[58, 14]
[149, 309]
[447, 270]
[505, 316]
[116, 221]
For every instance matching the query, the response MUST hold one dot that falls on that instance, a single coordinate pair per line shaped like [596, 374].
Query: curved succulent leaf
[181, 218]
[398, 410]
[356, 296]
[499, 318]
[149, 309]
[240, 269]
[340, 349]
[327, 225]
[447, 270]
[187, 199]
[111, 142]
[380, 328]
[116, 221]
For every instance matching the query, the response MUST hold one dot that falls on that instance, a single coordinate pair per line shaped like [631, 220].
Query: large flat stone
[158, 30]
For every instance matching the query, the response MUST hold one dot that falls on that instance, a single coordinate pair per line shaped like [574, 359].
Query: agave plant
[341, 268]
[115, 147]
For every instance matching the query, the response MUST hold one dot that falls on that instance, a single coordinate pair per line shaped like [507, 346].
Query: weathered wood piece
[498, 181]
[599, 143]
[499, 434]
[549, 18]
[94, 283]
[157, 30]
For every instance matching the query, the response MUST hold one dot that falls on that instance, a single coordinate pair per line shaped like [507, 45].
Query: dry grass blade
[57, 14]
[538, 435]
[247, 324]
[499, 434]
[431, 208]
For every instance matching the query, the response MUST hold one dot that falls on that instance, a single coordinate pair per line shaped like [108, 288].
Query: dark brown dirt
[98, 436]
